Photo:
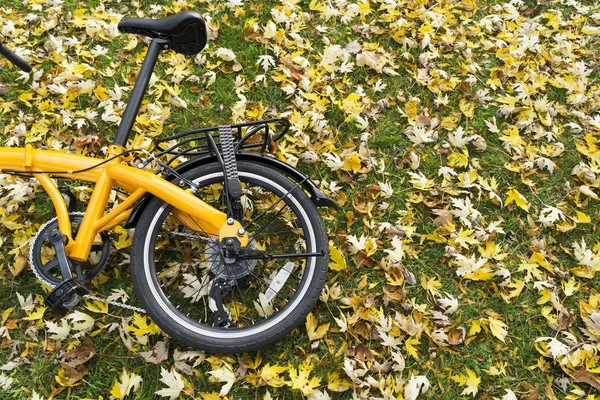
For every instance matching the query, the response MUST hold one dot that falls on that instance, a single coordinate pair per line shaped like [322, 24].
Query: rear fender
[317, 196]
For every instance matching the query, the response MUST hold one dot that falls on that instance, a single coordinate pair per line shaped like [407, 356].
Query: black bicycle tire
[297, 315]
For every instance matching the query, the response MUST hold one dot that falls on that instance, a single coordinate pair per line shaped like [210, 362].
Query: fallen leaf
[158, 354]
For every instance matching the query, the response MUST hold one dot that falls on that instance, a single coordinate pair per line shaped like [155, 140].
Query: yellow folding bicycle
[229, 252]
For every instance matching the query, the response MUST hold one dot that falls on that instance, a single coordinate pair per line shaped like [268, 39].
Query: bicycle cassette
[45, 264]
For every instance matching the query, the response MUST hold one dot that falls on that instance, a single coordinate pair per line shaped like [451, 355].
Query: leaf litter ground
[461, 141]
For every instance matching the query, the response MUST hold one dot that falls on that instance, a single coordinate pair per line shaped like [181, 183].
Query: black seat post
[137, 94]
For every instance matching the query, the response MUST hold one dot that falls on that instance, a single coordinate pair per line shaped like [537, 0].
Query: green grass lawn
[460, 140]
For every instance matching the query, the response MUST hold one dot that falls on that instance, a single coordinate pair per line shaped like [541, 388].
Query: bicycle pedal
[65, 296]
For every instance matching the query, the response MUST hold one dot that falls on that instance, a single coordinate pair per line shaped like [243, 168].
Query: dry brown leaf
[158, 354]
[443, 217]
[77, 356]
[584, 376]
[361, 352]
[457, 335]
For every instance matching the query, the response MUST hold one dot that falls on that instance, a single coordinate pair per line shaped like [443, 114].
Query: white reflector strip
[280, 279]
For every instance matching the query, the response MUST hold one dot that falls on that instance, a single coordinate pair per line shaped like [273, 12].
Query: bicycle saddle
[185, 31]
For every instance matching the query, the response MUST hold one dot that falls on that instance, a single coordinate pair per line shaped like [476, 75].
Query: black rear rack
[258, 136]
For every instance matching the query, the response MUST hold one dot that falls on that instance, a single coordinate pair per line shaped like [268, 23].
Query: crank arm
[56, 238]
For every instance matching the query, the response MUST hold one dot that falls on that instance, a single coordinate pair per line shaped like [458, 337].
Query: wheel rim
[181, 283]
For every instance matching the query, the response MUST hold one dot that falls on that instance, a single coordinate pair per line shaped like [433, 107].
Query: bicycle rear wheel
[198, 298]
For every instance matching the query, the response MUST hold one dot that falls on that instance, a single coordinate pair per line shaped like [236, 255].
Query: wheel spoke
[267, 225]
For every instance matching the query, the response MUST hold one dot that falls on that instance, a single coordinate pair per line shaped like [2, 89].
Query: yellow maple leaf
[472, 383]
[370, 246]
[337, 262]
[351, 163]
[70, 377]
[101, 93]
[10, 222]
[129, 381]
[470, 380]
[26, 97]
[46, 107]
[317, 6]
[498, 328]
[270, 374]
[395, 277]
[141, 327]
[458, 160]
[79, 19]
[582, 218]
[467, 108]
[553, 20]
[300, 379]
[512, 137]
[546, 295]
[410, 344]
[538, 258]
[37, 314]
[570, 287]
[314, 331]
[517, 286]
[464, 238]
[489, 251]
[6, 314]
[475, 328]
[432, 285]
[125, 238]
[131, 45]
[19, 264]
[517, 198]
[97, 306]
[352, 104]
[482, 274]
[336, 383]
[116, 391]
[593, 365]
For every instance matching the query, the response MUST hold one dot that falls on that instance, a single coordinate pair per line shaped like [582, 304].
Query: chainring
[45, 265]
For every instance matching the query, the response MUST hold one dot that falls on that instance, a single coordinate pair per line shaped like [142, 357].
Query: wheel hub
[223, 264]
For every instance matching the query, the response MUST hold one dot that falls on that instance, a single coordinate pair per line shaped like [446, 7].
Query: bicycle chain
[192, 236]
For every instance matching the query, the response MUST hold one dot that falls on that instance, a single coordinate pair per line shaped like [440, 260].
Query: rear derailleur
[219, 289]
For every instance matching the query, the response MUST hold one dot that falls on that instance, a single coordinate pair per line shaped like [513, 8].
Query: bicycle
[229, 251]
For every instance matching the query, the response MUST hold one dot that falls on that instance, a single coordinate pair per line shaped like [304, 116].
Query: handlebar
[13, 58]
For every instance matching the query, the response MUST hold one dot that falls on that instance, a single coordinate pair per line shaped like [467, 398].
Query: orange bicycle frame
[191, 210]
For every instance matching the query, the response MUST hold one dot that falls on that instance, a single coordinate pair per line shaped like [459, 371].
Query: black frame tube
[137, 94]
[15, 59]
